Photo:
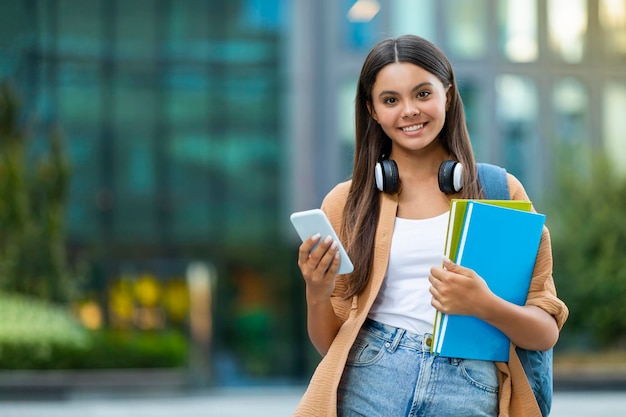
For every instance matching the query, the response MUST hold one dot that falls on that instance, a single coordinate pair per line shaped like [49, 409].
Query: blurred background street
[259, 403]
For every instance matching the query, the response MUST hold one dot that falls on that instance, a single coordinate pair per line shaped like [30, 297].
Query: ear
[370, 109]
[448, 97]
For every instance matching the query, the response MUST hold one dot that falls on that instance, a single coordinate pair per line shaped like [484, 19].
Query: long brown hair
[362, 210]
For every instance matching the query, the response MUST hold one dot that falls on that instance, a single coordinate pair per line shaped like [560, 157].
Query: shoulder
[516, 189]
[338, 194]
[335, 201]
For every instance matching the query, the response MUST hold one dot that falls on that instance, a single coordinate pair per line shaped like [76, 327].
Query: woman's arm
[459, 290]
[319, 269]
[528, 327]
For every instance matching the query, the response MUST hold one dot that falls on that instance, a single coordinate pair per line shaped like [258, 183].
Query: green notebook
[458, 208]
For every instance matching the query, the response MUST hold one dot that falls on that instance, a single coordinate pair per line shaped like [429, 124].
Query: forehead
[399, 76]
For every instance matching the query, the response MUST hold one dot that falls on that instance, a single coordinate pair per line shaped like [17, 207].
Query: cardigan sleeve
[542, 291]
[333, 205]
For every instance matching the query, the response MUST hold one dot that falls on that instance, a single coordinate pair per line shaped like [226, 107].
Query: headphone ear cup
[387, 176]
[450, 177]
[378, 172]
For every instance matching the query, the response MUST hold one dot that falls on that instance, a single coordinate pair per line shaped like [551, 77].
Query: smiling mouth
[412, 128]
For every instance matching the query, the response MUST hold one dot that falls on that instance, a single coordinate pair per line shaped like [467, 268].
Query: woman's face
[410, 105]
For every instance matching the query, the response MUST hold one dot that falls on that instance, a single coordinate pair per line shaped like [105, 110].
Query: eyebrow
[417, 87]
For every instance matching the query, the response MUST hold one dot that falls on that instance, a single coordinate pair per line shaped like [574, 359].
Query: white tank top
[404, 300]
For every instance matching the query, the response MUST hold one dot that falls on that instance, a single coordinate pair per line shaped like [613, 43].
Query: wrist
[490, 308]
[315, 299]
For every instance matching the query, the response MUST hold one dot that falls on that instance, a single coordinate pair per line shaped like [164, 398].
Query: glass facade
[171, 113]
[193, 128]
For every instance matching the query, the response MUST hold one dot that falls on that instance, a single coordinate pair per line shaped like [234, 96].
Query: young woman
[373, 326]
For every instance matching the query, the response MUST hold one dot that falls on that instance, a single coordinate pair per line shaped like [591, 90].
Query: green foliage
[588, 228]
[32, 204]
[123, 349]
[36, 334]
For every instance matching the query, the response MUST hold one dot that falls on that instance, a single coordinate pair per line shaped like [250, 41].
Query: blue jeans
[390, 372]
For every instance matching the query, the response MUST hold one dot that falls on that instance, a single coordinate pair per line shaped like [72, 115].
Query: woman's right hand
[319, 266]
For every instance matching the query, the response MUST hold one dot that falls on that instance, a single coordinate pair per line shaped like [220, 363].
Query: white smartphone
[310, 222]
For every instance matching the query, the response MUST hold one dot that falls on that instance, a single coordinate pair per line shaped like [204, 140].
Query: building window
[473, 96]
[571, 105]
[517, 114]
[567, 28]
[571, 121]
[518, 30]
[612, 15]
[345, 106]
[364, 27]
[613, 123]
[466, 22]
[417, 17]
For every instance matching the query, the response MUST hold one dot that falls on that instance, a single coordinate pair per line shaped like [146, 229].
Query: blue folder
[500, 244]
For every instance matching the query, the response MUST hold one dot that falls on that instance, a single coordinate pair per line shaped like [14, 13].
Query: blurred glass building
[195, 127]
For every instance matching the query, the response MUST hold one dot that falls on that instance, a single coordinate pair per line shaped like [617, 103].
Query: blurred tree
[32, 209]
[588, 227]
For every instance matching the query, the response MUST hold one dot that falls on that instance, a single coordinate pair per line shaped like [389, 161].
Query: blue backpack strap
[537, 364]
[493, 182]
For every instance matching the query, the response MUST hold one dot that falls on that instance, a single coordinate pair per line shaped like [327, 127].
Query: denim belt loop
[397, 337]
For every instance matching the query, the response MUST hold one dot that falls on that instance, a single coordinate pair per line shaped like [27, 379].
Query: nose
[410, 109]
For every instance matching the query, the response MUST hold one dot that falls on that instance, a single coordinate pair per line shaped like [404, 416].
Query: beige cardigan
[516, 396]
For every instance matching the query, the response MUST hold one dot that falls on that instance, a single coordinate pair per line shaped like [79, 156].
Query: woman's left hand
[458, 290]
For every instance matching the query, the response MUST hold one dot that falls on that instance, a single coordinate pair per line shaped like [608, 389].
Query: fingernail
[316, 237]
[446, 260]
[335, 245]
[328, 239]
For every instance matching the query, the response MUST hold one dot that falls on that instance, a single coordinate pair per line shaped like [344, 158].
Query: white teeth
[413, 128]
